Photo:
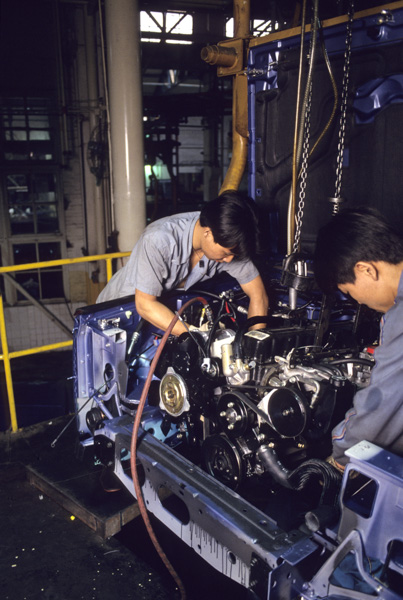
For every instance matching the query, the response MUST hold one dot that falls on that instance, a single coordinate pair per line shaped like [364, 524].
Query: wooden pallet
[82, 493]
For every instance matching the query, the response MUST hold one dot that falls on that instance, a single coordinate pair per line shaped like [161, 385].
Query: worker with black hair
[360, 254]
[184, 249]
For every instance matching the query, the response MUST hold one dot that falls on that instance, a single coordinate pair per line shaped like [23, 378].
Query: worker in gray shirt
[359, 253]
[184, 249]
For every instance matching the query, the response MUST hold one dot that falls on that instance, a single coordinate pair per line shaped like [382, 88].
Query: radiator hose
[298, 478]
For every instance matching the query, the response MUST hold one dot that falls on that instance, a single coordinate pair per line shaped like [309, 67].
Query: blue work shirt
[160, 261]
[377, 412]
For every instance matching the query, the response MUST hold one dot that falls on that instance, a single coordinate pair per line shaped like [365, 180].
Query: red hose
[133, 446]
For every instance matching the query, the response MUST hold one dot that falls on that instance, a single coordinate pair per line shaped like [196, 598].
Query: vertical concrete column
[126, 115]
[95, 201]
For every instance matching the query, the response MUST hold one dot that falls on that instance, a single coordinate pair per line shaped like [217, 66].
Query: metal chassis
[242, 542]
[229, 533]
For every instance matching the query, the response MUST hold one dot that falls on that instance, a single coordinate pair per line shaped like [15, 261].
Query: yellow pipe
[219, 55]
[108, 269]
[62, 261]
[7, 368]
[38, 349]
[237, 165]
[241, 18]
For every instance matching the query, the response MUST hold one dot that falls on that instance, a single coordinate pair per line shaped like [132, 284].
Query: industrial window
[28, 130]
[259, 27]
[32, 203]
[42, 284]
[170, 27]
[31, 223]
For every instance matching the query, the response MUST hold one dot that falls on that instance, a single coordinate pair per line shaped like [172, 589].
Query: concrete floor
[45, 554]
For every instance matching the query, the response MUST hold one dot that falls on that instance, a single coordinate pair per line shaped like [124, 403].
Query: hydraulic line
[366, 362]
[335, 92]
[133, 446]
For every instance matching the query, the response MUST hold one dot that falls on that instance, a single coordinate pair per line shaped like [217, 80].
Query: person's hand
[330, 459]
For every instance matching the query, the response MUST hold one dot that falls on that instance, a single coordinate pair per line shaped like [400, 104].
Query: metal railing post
[7, 368]
[6, 355]
[108, 269]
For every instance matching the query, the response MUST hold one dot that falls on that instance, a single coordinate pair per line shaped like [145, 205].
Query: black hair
[360, 234]
[232, 218]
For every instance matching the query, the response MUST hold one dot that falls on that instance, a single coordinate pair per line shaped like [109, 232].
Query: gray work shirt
[377, 412]
[160, 261]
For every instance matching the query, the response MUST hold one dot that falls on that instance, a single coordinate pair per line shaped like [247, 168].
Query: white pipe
[126, 120]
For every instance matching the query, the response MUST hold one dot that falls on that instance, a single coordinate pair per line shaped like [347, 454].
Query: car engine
[254, 403]
[246, 405]
[236, 428]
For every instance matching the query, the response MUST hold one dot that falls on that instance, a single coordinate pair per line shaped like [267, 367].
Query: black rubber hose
[299, 478]
[366, 362]
[135, 336]
[272, 464]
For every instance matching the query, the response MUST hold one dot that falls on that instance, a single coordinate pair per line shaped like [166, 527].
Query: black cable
[210, 294]
[214, 327]
[192, 335]
[358, 361]
[141, 354]
[68, 308]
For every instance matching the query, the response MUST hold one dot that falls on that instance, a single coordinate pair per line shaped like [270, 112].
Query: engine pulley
[232, 413]
[286, 411]
[174, 395]
[222, 460]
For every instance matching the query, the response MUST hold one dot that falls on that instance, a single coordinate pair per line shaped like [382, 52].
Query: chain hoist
[303, 173]
[294, 275]
[305, 134]
[337, 199]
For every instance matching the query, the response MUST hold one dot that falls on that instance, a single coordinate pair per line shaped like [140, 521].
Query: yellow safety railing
[6, 356]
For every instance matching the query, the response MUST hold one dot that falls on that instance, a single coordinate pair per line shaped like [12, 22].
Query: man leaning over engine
[359, 253]
[183, 249]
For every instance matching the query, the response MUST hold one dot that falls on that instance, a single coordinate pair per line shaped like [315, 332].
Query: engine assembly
[235, 399]
[236, 425]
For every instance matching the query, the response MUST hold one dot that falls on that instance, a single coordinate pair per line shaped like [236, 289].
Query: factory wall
[62, 82]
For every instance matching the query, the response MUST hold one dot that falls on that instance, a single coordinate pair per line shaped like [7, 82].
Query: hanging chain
[302, 176]
[303, 173]
[343, 110]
